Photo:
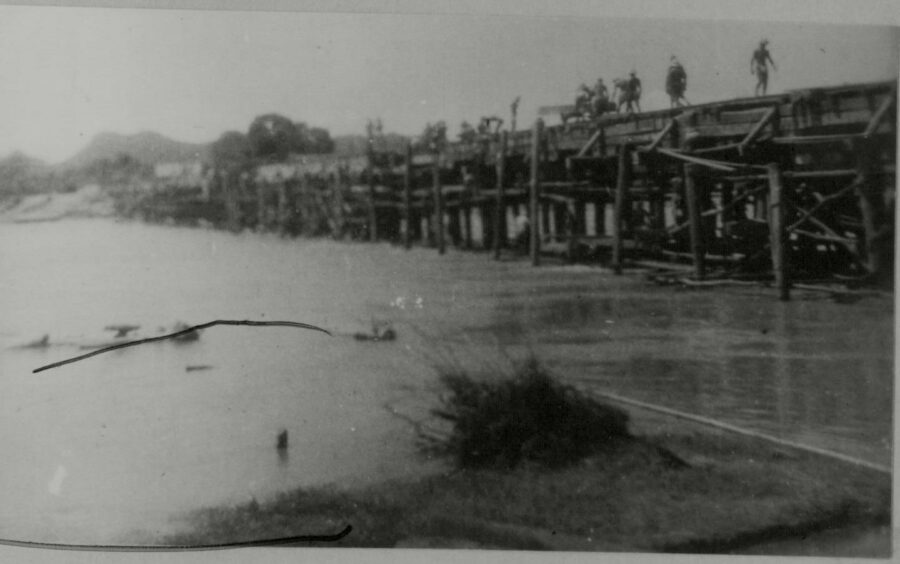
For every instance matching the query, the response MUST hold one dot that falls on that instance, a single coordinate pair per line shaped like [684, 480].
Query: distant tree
[231, 150]
[121, 169]
[273, 136]
[16, 177]
[467, 133]
[434, 137]
[320, 141]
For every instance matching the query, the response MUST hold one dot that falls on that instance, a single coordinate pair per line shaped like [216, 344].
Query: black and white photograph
[431, 280]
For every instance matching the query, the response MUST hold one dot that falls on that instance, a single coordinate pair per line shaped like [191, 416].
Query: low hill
[147, 147]
[21, 174]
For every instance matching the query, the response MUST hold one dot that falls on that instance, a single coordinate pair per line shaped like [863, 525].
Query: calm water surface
[117, 447]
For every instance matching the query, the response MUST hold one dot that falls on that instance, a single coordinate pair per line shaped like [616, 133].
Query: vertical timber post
[623, 179]
[241, 192]
[407, 190]
[776, 230]
[230, 191]
[534, 193]
[260, 204]
[499, 205]
[337, 193]
[373, 218]
[867, 212]
[438, 203]
[727, 216]
[870, 210]
[282, 207]
[465, 213]
[698, 247]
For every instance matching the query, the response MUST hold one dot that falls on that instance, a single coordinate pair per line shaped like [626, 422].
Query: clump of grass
[528, 417]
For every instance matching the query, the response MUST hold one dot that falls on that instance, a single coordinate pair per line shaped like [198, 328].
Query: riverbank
[734, 493]
[138, 436]
[89, 201]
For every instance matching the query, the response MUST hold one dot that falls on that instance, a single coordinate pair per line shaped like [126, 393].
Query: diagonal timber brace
[767, 118]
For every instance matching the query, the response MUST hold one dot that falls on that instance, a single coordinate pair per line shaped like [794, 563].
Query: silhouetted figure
[582, 109]
[629, 93]
[759, 65]
[676, 83]
[600, 103]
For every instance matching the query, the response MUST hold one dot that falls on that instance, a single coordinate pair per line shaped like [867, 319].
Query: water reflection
[787, 369]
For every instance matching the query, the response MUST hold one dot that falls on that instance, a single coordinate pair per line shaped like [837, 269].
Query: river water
[114, 448]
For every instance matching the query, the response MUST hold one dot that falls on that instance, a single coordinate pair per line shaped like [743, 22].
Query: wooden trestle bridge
[792, 187]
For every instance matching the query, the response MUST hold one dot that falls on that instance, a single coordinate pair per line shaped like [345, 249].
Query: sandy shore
[89, 201]
[735, 494]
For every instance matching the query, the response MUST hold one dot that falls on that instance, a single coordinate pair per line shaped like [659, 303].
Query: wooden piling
[282, 213]
[373, 217]
[465, 212]
[260, 205]
[456, 226]
[873, 250]
[534, 193]
[761, 208]
[407, 204]
[658, 207]
[580, 220]
[241, 193]
[727, 216]
[229, 189]
[499, 204]
[623, 179]
[776, 231]
[338, 196]
[698, 247]
[438, 223]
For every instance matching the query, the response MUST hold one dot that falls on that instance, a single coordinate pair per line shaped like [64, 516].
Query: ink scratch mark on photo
[187, 331]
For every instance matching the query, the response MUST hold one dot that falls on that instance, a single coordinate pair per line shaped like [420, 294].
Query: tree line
[270, 138]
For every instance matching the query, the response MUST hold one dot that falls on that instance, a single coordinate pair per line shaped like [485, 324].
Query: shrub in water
[528, 417]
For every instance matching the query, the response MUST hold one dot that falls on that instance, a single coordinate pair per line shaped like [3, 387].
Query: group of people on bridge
[591, 103]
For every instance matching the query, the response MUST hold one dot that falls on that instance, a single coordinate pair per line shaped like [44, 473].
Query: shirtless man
[758, 65]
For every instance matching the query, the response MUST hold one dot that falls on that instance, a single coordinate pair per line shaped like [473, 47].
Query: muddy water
[115, 448]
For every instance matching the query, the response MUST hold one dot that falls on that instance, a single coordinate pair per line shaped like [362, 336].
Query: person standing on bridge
[676, 83]
[759, 65]
[632, 92]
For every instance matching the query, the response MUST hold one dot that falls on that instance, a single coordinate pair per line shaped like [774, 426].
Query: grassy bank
[733, 492]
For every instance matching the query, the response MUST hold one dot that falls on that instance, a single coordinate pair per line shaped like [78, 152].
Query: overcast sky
[69, 73]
